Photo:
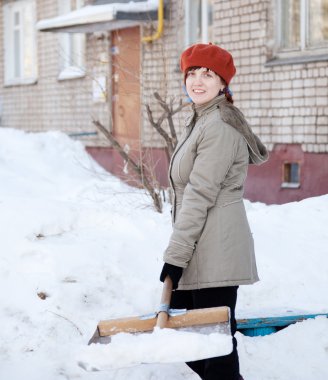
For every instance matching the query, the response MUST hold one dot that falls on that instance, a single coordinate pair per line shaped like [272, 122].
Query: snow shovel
[208, 330]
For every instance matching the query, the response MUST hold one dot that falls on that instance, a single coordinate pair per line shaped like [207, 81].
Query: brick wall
[65, 105]
[284, 103]
[161, 72]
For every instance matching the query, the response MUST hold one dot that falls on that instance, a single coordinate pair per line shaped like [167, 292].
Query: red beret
[210, 56]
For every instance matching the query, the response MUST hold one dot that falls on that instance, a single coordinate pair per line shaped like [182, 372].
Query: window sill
[20, 82]
[279, 61]
[290, 185]
[71, 73]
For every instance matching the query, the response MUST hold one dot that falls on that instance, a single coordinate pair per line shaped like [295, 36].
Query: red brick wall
[264, 182]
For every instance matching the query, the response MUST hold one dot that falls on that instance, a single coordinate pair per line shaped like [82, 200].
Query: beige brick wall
[285, 103]
[161, 73]
[65, 105]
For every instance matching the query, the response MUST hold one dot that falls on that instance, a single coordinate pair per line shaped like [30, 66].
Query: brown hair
[226, 91]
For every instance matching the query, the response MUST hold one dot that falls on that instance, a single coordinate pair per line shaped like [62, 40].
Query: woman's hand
[174, 272]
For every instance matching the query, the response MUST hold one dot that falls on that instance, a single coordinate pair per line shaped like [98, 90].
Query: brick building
[98, 66]
[281, 54]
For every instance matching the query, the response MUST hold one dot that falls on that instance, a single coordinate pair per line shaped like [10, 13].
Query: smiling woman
[215, 64]
[203, 85]
[211, 249]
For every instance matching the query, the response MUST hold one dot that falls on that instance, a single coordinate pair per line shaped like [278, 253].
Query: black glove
[174, 272]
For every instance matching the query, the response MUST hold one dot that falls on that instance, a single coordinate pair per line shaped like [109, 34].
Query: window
[291, 175]
[71, 47]
[198, 21]
[303, 24]
[20, 42]
[318, 23]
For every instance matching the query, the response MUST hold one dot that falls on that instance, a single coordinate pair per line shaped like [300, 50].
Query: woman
[211, 250]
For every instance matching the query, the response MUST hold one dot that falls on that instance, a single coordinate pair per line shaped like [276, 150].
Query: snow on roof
[96, 14]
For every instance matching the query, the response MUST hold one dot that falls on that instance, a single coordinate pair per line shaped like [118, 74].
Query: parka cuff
[178, 254]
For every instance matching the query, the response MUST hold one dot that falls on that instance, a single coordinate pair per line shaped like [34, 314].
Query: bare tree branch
[161, 131]
[140, 170]
[168, 110]
[146, 175]
[170, 139]
[66, 319]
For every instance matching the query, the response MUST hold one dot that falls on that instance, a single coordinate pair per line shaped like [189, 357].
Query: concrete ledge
[296, 60]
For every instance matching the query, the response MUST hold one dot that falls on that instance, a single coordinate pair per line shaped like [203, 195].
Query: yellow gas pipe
[160, 23]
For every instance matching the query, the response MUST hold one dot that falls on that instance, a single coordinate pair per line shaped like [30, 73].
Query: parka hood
[230, 114]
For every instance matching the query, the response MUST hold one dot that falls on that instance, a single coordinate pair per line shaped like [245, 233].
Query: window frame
[204, 4]
[306, 52]
[287, 183]
[10, 57]
[71, 66]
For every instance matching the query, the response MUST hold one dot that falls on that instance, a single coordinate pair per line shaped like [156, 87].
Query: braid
[228, 94]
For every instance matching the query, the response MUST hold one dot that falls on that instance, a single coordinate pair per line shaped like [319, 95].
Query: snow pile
[291, 243]
[161, 347]
[78, 246]
[297, 352]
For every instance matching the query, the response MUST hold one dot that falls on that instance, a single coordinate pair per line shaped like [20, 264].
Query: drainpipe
[160, 22]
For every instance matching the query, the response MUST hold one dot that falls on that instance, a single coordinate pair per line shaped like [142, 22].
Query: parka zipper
[170, 168]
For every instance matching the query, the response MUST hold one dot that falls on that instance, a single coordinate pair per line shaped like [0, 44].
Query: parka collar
[202, 109]
[258, 153]
[209, 106]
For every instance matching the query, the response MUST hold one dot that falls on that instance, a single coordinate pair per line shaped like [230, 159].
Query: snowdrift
[77, 246]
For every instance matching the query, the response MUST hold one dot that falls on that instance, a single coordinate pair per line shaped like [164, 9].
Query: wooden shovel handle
[163, 316]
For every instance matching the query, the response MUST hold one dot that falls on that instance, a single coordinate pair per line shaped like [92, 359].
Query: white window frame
[71, 47]
[21, 68]
[305, 48]
[188, 8]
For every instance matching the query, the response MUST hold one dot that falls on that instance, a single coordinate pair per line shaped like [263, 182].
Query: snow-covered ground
[77, 246]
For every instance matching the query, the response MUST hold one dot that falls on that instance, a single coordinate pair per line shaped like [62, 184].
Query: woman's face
[203, 85]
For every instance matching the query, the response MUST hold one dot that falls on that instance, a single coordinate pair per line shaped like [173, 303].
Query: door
[126, 88]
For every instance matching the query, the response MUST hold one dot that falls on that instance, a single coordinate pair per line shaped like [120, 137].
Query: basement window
[291, 175]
